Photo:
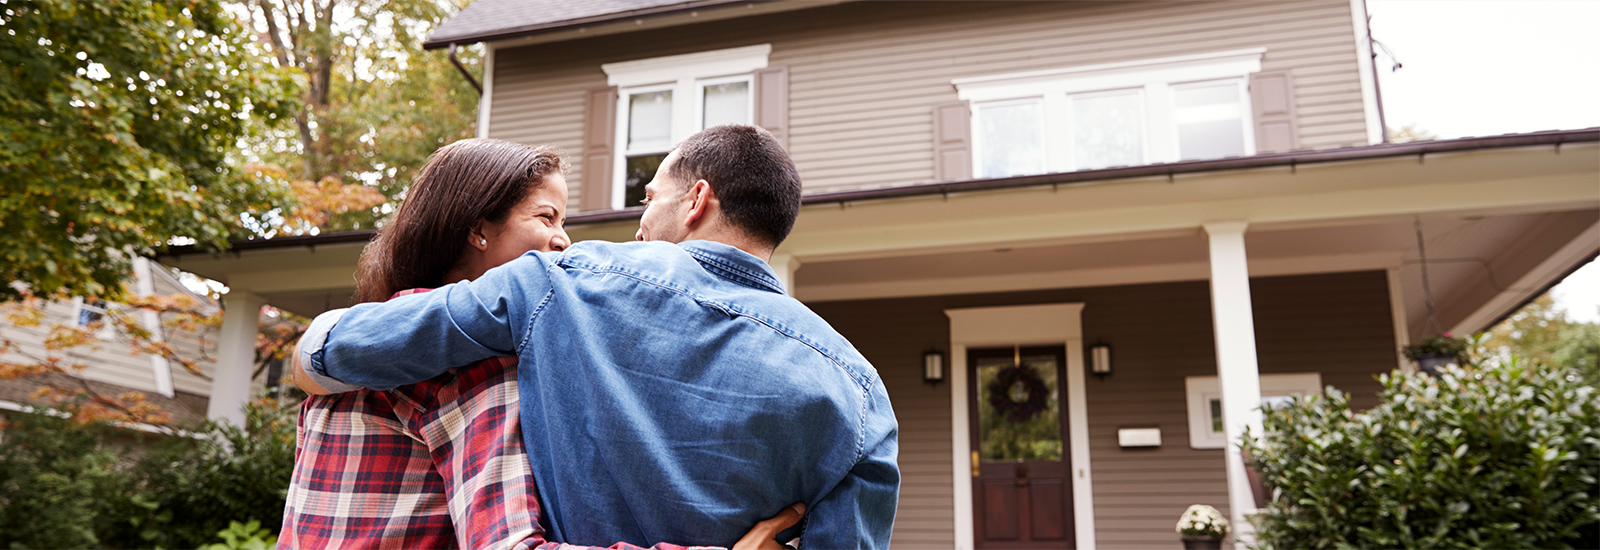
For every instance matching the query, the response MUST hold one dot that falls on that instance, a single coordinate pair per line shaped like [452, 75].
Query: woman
[440, 464]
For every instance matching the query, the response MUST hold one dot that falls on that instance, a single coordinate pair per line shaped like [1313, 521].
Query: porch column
[1237, 372]
[785, 265]
[236, 354]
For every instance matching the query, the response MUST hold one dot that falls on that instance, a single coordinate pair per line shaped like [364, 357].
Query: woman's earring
[484, 242]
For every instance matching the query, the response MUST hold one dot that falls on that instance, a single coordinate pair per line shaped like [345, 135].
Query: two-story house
[1082, 242]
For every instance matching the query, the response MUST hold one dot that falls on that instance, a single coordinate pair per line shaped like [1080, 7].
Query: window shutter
[1272, 103]
[772, 102]
[599, 135]
[952, 141]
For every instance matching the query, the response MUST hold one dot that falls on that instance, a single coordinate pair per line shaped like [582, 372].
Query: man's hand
[761, 537]
[298, 374]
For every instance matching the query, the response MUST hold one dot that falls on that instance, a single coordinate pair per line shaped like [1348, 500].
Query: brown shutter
[772, 102]
[1272, 103]
[952, 141]
[599, 136]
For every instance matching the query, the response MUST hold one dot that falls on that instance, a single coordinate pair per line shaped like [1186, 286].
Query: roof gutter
[1084, 177]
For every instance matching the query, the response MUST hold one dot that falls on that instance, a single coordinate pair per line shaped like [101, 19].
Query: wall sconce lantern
[933, 367]
[1100, 360]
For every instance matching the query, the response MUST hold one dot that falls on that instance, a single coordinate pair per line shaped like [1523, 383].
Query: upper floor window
[663, 100]
[1117, 114]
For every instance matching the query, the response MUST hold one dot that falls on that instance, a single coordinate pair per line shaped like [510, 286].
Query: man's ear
[702, 202]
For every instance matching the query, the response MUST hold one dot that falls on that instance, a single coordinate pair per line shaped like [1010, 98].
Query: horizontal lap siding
[864, 77]
[111, 361]
[1338, 324]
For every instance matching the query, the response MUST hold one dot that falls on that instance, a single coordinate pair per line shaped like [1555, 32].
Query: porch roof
[1419, 149]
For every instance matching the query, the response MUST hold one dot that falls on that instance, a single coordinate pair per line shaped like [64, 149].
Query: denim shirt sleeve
[859, 511]
[414, 338]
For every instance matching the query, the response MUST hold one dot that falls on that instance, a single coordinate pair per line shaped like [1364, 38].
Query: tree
[375, 106]
[1542, 332]
[119, 118]
[1410, 133]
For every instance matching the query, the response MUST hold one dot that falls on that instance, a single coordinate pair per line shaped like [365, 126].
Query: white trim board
[486, 99]
[1567, 258]
[1369, 80]
[1048, 324]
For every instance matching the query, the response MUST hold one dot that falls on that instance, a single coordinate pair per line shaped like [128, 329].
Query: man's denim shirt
[669, 393]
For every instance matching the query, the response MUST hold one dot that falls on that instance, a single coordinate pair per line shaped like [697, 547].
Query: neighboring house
[1175, 192]
[111, 366]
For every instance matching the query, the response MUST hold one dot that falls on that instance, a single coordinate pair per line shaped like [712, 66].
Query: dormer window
[1116, 114]
[663, 100]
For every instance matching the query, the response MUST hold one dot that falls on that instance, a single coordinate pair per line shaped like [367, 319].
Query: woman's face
[535, 224]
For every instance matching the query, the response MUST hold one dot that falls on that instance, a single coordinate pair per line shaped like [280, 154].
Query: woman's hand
[761, 537]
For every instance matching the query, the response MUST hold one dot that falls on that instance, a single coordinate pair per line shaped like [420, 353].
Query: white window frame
[78, 306]
[1242, 86]
[1203, 389]
[977, 135]
[1155, 77]
[686, 75]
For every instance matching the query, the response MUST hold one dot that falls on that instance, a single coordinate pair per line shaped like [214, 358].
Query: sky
[1490, 67]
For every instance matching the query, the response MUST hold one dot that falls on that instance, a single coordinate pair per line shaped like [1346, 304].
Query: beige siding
[108, 360]
[200, 345]
[1337, 324]
[864, 77]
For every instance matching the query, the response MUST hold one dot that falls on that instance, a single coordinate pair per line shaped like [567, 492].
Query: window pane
[650, 121]
[1019, 409]
[640, 169]
[1210, 121]
[727, 104]
[1108, 130]
[1011, 140]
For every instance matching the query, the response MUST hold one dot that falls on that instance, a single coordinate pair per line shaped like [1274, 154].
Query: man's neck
[736, 239]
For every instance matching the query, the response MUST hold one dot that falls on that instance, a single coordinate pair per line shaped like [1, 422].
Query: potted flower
[1202, 527]
[1437, 351]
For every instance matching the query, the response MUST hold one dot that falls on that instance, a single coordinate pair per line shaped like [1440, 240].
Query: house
[111, 365]
[1082, 242]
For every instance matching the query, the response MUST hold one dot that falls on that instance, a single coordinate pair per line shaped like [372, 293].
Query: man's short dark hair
[751, 174]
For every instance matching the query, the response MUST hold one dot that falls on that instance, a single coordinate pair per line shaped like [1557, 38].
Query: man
[670, 390]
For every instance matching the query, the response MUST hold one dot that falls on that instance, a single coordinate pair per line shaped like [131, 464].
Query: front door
[1020, 487]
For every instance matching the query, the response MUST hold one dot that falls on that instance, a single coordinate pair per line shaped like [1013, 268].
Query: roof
[1081, 177]
[487, 20]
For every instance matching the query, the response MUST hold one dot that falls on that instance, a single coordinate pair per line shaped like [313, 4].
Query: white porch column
[1237, 372]
[236, 354]
[785, 265]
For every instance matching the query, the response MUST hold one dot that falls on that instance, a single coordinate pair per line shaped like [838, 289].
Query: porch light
[933, 367]
[1100, 360]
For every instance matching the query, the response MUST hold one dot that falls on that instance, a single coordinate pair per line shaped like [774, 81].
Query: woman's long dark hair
[462, 184]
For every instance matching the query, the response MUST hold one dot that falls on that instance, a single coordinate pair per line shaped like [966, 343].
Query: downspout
[479, 88]
[1377, 91]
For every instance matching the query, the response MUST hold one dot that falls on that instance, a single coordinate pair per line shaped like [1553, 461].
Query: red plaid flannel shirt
[438, 464]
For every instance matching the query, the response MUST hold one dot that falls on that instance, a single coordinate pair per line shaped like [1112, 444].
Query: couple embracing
[649, 394]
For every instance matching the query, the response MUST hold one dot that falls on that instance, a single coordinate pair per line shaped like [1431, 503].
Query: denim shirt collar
[734, 265]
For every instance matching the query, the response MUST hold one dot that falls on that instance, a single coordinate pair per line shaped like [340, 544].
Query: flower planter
[1430, 364]
[1202, 543]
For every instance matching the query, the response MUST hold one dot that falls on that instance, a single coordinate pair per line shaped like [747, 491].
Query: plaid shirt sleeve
[438, 464]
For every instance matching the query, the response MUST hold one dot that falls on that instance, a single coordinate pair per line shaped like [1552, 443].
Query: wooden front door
[1021, 490]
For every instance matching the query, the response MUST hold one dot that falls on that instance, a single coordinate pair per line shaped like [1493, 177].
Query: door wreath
[1003, 395]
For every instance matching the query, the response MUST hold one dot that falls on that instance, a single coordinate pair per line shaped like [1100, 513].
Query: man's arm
[859, 511]
[414, 338]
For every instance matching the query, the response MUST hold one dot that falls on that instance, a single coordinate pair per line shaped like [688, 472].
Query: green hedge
[65, 485]
[1497, 457]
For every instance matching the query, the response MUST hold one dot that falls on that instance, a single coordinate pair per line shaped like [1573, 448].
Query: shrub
[1493, 457]
[64, 485]
[54, 481]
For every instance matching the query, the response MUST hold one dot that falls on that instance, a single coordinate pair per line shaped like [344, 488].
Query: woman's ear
[475, 238]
